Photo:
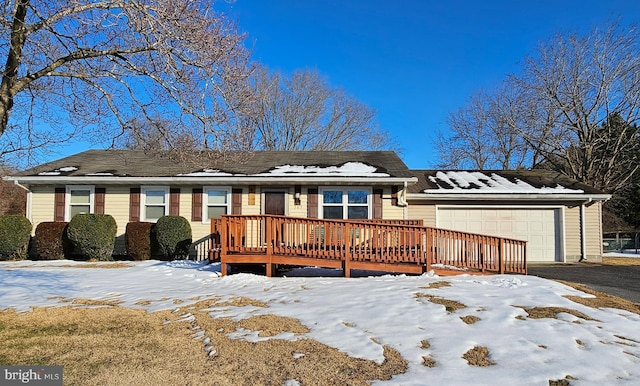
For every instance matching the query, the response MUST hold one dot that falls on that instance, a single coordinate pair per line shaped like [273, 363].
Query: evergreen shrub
[51, 240]
[173, 236]
[138, 240]
[15, 233]
[93, 236]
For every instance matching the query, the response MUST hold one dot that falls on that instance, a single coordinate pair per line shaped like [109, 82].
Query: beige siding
[246, 208]
[389, 211]
[423, 211]
[116, 203]
[593, 219]
[572, 233]
[573, 237]
[199, 229]
[298, 210]
[42, 204]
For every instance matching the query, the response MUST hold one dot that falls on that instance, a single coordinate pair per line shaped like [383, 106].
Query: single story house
[560, 218]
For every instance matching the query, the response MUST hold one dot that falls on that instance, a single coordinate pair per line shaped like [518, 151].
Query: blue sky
[414, 61]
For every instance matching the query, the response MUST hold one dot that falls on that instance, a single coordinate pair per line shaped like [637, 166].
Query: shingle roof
[133, 163]
[496, 181]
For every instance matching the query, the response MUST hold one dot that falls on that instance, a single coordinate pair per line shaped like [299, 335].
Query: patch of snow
[626, 253]
[478, 182]
[100, 174]
[358, 316]
[206, 173]
[350, 169]
[57, 172]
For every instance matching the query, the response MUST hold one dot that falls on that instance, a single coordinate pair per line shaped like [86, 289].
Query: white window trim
[345, 203]
[205, 201]
[143, 201]
[67, 199]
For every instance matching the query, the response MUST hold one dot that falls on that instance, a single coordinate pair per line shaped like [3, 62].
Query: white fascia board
[508, 196]
[220, 180]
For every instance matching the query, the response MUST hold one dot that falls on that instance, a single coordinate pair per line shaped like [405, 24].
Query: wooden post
[270, 240]
[501, 255]
[347, 252]
[428, 253]
[224, 233]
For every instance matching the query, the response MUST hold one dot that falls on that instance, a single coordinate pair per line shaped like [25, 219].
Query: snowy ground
[359, 315]
[625, 253]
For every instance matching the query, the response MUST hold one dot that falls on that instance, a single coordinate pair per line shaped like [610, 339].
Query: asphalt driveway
[617, 280]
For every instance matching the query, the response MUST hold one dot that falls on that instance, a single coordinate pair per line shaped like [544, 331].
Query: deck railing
[393, 245]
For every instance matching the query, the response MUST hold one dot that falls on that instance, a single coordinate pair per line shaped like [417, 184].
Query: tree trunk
[18, 36]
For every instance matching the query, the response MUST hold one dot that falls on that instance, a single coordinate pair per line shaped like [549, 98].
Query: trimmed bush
[173, 235]
[51, 240]
[138, 240]
[93, 235]
[15, 232]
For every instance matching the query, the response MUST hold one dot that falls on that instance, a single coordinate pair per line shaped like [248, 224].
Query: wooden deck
[403, 246]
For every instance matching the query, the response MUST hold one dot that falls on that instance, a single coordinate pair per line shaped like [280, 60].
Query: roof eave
[508, 196]
[204, 180]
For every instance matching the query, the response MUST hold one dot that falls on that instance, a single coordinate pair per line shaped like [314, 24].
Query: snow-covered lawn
[360, 315]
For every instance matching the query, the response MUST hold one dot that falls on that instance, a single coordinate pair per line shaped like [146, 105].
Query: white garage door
[540, 227]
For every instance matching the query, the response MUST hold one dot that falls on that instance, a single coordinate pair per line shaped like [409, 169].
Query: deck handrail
[361, 243]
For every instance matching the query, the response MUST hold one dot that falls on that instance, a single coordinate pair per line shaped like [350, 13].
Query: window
[80, 200]
[338, 203]
[216, 202]
[155, 203]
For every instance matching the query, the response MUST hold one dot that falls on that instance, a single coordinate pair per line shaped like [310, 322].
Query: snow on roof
[479, 182]
[349, 169]
[57, 172]
[206, 173]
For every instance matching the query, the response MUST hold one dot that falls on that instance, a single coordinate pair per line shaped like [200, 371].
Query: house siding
[301, 209]
[573, 239]
[572, 233]
[593, 216]
[116, 204]
[422, 211]
[389, 209]
[42, 205]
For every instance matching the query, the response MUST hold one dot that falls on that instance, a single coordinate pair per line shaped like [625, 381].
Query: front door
[274, 203]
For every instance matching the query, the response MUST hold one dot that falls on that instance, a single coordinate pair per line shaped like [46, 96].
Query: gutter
[583, 231]
[402, 201]
[28, 203]
[509, 196]
[17, 183]
[128, 180]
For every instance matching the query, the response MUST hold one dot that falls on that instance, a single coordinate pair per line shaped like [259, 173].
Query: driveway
[618, 280]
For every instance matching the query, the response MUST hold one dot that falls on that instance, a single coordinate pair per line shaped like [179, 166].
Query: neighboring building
[559, 217]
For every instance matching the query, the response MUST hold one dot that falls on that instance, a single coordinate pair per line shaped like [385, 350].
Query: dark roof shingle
[134, 163]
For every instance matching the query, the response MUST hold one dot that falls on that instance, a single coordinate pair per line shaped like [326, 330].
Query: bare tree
[91, 66]
[573, 107]
[484, 134]
[578, 84]
[302, 112]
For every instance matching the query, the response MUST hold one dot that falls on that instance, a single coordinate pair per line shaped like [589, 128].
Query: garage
[540, 227]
